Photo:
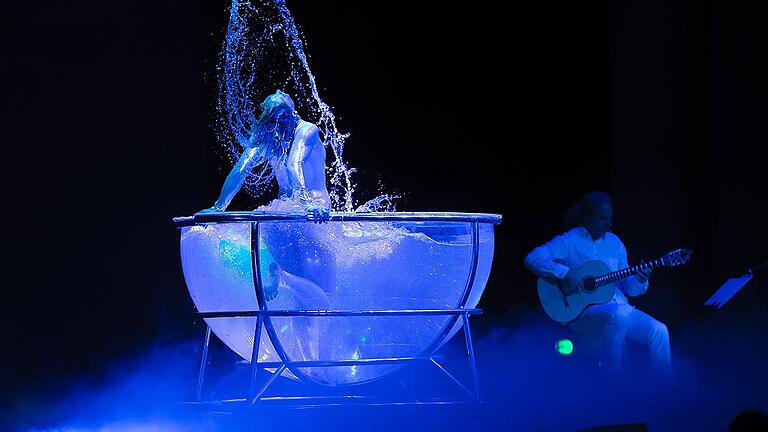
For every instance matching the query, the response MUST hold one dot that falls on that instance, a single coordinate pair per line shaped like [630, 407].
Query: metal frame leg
[256, 392]
[203, 362]
[471, 355]
[256, 397]
[474, 393]
[453, 378]
[255, 357]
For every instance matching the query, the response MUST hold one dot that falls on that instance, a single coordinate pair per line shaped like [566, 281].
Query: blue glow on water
[234, 255]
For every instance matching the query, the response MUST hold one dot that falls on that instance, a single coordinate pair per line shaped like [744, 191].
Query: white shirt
[574, 248]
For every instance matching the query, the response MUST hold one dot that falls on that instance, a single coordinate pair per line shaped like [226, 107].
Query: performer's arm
[632, 286]
[543, 260]
[237, 177]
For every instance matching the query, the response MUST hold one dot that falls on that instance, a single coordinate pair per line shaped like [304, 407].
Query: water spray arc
[244, 58]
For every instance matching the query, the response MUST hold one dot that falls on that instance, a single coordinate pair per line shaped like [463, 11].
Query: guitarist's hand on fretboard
[643, 273]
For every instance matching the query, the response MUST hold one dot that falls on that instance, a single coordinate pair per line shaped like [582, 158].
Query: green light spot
[284, 329]
[564, 347]
[363, 339]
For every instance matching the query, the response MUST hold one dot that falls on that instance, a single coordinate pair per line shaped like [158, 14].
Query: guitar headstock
[677, 257]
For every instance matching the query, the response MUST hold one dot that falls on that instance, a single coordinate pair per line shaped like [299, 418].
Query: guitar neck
[622, 274]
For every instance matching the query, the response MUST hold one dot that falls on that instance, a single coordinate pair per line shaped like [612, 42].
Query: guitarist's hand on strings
[643, 274]
[571, 284]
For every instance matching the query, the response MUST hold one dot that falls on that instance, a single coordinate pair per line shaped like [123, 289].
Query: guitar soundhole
[589, 284]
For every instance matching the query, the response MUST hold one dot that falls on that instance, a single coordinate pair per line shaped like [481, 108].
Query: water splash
[382, 203]
[250, 68]
[341, 182]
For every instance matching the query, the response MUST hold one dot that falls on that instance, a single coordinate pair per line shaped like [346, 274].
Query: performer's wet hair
[276, 126]
[274, 130]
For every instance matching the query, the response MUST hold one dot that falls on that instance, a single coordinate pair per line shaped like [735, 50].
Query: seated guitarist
[615, 320]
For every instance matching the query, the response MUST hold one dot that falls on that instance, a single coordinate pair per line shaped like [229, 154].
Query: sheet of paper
[728, 290]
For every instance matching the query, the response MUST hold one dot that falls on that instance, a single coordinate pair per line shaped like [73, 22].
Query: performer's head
[275, 105]
[276, 124]
[597, 213]
[273, 131]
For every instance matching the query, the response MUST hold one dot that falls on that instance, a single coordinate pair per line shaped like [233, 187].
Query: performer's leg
[647, 330]
[310, 276]
[307, 293]
[308, 296]
[319, 265]
[607, 321]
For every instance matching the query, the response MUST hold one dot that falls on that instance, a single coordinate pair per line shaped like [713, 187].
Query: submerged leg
[308, 294]
[319, 264]
[306, 269]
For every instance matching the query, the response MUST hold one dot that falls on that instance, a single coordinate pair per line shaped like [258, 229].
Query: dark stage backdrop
[107, 134]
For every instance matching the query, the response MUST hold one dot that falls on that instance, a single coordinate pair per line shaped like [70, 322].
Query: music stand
[731, 287]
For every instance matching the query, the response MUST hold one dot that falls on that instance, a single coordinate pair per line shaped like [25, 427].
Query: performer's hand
[571, 284]
[318, 214]
[643, 275]
[213, 209]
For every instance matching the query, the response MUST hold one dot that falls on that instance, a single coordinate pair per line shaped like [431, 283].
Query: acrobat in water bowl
[331, 302]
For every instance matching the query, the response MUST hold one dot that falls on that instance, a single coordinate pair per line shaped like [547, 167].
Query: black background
[107, 133]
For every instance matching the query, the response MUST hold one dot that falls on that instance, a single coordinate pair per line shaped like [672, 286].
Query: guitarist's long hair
[574, 216]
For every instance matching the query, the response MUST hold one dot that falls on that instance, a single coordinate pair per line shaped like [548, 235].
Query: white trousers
[614, 323]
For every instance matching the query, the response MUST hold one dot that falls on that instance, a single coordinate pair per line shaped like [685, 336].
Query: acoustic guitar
[599, 285]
